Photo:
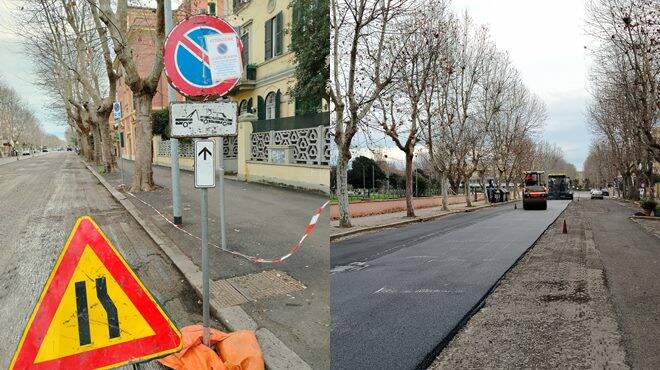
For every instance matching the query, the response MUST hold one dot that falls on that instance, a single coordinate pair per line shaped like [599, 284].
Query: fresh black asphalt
[397, 294]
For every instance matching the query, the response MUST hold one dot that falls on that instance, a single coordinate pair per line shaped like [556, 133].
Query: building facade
[269, 69]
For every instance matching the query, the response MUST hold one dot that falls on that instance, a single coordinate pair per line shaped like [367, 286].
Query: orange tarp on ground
[234, 351]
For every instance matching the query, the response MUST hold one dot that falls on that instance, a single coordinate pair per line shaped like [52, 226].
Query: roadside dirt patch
[551, 310]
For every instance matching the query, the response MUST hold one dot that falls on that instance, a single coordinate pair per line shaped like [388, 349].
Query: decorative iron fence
[187, 149]
[309, 145]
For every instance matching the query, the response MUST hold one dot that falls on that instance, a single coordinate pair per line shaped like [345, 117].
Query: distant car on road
[596, 194]
[26, 151]
[69, 149]
[44, 150]
[605, 192]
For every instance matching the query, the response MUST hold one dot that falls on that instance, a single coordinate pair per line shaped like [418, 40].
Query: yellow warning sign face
[94, 312]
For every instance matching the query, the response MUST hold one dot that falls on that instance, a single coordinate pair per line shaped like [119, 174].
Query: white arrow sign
[204, 168]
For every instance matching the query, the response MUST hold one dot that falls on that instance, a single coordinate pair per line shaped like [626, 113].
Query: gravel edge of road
[340, 236]
[431, 356]
[277, 355]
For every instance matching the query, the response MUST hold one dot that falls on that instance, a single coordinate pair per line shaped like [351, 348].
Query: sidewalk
[367, 223]
[287, 300]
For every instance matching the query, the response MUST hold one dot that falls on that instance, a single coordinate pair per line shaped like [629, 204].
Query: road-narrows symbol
[92, 282]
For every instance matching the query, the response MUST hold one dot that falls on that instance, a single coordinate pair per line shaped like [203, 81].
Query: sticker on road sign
[93, 311]
[224, 59]
[187, 58]
[116, 109]
[203, 119]
[204, 168]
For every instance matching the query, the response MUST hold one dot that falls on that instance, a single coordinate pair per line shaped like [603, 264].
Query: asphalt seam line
[234, 318]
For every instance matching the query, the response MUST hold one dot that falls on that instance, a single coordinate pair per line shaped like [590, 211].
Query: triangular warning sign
[93, 311]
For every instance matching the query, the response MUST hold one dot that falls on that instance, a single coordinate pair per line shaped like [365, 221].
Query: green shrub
[161, 126]
[648, 204]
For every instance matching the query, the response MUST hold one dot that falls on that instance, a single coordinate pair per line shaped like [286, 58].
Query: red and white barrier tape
[308, 231]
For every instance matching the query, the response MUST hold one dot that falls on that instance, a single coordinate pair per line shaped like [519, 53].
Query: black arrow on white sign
[205, 151]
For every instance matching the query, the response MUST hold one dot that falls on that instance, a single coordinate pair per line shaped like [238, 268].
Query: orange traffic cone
[564, 230]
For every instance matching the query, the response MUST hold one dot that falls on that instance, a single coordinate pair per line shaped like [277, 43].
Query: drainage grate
[237, 290]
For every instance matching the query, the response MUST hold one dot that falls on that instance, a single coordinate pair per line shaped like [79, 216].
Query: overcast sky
[546, 42]
[16, 71]
[544, 38]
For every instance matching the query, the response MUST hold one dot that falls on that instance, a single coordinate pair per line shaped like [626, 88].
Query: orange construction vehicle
[535, 191]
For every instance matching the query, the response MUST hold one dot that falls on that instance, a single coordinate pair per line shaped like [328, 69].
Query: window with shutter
[279, 34]
[261, 108]
[271, 105]
[268, 52]
[278, 103]
[245, 39]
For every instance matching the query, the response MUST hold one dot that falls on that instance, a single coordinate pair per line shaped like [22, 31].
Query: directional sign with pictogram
[93, 311]
[189, 64]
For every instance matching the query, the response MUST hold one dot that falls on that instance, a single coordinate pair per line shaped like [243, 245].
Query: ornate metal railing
[187, 149]
[308, 145]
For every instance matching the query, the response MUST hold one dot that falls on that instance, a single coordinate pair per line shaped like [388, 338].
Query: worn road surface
[41, 199]
[631, 256]
[397, 294]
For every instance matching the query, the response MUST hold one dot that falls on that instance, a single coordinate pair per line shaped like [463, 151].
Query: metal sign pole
[221, 163]
[174, 142]
[121, 159]
[205, 265]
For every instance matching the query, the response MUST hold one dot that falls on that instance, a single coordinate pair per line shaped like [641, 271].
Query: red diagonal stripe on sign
[195, 49]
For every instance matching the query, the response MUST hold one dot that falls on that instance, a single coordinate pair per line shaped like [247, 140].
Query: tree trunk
[410, 208]
[108, 151]
[96, 137]
[342, 189]
[466, 190]
[143, 179]
[445, 195]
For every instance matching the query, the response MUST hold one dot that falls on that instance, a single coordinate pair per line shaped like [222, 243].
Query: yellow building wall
[277, 72]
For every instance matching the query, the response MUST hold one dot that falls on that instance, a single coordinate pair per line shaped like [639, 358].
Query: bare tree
[143, 87]
[359, 34]
[625, 84]
[402, 108]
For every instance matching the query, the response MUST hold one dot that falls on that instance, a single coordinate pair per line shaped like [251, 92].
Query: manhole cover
[238, 290]
[223, 294]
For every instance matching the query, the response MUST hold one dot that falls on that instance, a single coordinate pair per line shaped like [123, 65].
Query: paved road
[413, 285]
[41, 199]
[631, 257]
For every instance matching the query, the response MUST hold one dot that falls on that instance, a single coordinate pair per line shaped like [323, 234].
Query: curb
[276, 354]
[414, 220]
[653, 218]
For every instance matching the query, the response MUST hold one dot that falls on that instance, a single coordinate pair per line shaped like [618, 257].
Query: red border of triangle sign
[165, 340]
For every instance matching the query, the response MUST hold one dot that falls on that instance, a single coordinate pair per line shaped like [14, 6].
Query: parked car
[605, 192]
[26, 151]
[596, 194]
